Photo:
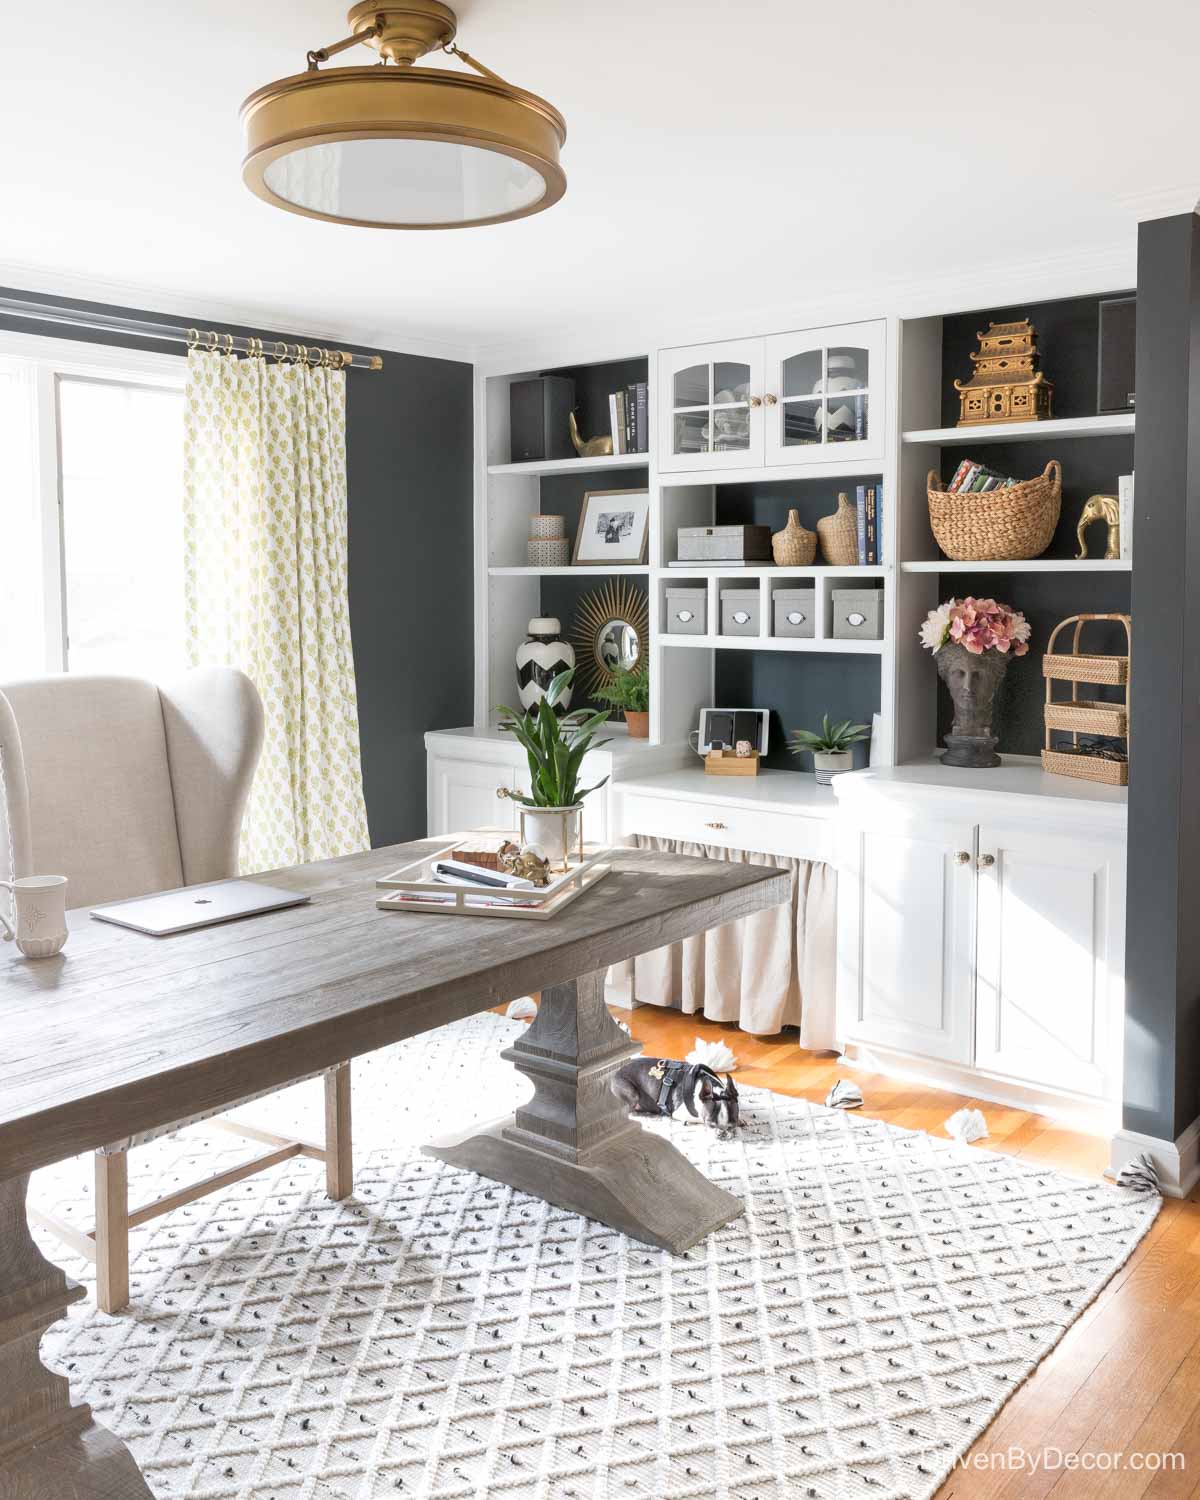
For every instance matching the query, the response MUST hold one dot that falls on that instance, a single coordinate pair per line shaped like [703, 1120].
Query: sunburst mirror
[611, 633]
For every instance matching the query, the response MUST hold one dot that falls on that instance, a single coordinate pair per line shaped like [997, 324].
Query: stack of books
[629, 418]
[869, 505]
[976, 478]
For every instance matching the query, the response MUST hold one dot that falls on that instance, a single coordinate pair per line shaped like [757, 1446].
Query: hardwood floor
[1125, 1379]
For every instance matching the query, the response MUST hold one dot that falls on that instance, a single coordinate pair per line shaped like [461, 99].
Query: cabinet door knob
[714, 825]
[986, 861]
[962, 858]
[771, 400]
[755, 401]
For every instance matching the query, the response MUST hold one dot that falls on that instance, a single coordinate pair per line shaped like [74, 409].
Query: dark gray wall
[408, 460]
[1162, 1018]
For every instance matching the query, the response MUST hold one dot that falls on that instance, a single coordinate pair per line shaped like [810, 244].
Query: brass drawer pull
[714, 825]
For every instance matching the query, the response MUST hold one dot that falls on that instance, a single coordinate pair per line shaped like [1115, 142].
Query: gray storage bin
[795, 612]
[739, 611]
[857, 614]
[686, 611]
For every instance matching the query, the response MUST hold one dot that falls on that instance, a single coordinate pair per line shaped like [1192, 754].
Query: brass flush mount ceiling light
[394, 146]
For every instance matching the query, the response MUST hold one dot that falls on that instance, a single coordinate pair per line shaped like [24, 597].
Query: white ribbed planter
[556, 829]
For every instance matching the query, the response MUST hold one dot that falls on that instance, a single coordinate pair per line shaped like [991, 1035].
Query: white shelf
[1033, 565]
[772, 570]
[771, 643]
[832, 468]
[1018, 776]
[575, 465]
[582, 570]
[1116, 424]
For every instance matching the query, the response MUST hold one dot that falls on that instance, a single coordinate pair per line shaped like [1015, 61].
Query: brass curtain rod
[194, 338]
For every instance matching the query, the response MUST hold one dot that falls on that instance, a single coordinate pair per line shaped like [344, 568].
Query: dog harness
[676, 1079]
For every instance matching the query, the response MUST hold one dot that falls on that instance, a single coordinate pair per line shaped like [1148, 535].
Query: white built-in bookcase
[906, 397]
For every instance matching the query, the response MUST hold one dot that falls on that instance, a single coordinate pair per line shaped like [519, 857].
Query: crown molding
[1106, 267]
[196, 310]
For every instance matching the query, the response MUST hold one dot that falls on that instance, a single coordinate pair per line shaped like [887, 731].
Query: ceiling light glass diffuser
[395, 146]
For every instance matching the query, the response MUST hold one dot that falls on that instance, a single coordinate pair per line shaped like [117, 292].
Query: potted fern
[555, 749]
[829, 747]
[630, 692]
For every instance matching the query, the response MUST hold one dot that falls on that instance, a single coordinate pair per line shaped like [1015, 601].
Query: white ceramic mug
[40, 906]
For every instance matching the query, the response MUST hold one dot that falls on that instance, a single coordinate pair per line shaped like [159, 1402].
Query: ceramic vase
[973, 682]
[540, 658]
[40, 914]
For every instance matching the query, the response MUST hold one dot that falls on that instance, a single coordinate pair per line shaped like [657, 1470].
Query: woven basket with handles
[1003, 525]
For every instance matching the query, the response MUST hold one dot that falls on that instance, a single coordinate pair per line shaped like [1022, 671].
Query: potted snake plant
[630, 692]
[829, 746]
[555, 749]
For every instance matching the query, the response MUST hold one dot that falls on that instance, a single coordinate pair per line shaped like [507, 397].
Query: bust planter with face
[973, 641]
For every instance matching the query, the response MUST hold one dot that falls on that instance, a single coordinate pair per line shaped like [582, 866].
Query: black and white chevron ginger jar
[540, 659]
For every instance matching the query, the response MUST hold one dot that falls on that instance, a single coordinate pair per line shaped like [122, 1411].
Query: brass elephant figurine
[1101, 508]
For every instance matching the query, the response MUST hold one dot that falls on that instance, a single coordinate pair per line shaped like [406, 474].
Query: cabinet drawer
[730, 827]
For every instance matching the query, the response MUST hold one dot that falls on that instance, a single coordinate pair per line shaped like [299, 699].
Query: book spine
[1125, 514]
[643, 411]
[619, 445]
[614, 425]
[860, 416]
[860, 506]
[627, 397]
[872, 544]
[879, 522]
[959, 475]
[968, 478]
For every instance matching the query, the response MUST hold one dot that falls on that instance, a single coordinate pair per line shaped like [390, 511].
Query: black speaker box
[1118, 354]
[539, 418]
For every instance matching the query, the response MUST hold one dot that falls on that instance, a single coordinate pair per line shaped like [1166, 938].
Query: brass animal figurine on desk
[597, 447]
[1101, 508]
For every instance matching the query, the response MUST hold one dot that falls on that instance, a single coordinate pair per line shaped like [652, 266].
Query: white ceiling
[723, 156]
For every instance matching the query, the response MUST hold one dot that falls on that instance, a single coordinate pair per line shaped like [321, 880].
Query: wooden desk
[122, 1033]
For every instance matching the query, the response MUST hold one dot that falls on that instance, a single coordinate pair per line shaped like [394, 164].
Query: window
[91, 520]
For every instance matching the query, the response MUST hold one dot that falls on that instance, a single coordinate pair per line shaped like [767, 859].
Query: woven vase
[795, 546]
[839, 535]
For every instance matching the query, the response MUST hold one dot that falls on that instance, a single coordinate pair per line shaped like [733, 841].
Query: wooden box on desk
[730, 763]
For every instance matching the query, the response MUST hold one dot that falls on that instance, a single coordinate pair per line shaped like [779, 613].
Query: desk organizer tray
[411, 888]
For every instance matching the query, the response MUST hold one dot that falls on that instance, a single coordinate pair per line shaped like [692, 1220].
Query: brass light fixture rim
[389, 122]
[323, 78]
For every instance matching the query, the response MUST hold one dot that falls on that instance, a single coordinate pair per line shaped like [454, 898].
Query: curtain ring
[193, 338]
[214, 342]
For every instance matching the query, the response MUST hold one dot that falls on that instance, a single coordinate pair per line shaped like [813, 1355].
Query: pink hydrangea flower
[977, 624]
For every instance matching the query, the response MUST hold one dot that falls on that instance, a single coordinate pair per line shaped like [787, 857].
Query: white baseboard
[1092, 1116]
[1176, 1162]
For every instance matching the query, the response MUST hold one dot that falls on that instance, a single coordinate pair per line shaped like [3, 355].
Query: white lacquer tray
[411, 888]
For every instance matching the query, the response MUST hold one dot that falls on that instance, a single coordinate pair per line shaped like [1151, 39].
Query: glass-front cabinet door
[823, 395]
[711, 411]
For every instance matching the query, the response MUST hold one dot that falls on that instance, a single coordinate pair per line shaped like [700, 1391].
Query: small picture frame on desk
[614, 526]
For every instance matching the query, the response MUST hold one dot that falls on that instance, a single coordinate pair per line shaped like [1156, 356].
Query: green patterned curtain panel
[265, 581]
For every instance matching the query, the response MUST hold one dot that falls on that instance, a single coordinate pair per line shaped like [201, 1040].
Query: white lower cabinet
[1049, 957]
[985, 949]
[462, 794]
[906, 905]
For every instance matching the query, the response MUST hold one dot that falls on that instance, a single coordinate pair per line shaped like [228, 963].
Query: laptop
[168, 912]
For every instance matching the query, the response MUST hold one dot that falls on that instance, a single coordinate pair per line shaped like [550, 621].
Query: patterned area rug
[439, 1336]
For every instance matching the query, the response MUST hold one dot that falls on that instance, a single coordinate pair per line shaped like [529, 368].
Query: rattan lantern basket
[1076, 715]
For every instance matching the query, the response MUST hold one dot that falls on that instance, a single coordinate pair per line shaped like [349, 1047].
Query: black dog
[658, 1086]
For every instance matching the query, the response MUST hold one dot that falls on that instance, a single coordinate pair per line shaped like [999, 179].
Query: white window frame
[47, 362]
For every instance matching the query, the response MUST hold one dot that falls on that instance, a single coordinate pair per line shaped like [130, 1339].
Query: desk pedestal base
[49, 1449]
[574, 1145]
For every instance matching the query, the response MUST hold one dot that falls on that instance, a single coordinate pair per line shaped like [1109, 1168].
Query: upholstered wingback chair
[129, 788]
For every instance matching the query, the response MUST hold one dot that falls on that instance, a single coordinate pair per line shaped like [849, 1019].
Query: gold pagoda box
[1006, 385]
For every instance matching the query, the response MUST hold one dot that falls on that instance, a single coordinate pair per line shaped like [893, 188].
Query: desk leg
[49, 1449]
[574, 1144]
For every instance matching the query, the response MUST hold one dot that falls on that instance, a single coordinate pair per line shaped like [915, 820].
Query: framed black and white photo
[613, 527]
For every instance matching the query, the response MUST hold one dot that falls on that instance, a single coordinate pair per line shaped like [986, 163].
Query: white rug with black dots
[438, 1336]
